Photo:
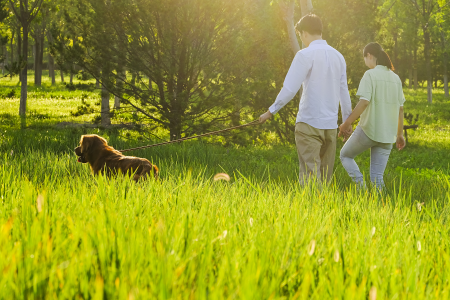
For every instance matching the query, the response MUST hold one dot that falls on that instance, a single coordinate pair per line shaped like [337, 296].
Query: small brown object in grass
[106, 160]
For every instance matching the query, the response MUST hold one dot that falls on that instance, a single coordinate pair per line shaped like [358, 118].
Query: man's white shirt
[322, 70]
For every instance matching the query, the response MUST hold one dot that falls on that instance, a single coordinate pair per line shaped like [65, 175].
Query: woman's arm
[401, 143]
[346, 127]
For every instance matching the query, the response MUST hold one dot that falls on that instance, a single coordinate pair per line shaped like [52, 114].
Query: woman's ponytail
[376, 50]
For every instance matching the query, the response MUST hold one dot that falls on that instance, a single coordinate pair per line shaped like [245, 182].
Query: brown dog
[105, 159]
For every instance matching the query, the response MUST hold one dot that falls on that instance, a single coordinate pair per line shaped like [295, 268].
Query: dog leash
[193, 137]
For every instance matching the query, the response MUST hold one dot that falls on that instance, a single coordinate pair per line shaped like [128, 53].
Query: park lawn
[65, 234]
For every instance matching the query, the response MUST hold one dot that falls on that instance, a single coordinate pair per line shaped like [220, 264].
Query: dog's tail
[155, 171]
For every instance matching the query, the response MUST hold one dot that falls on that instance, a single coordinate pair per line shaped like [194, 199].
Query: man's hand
[345, 131]
[401, 143]
[265, 116]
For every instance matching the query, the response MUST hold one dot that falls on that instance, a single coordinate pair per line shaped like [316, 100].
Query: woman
[381, 124]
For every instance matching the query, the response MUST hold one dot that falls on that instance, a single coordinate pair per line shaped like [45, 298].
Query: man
[322, 71]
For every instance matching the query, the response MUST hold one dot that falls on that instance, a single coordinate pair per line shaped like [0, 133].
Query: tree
[288, 7]
[443, 19]
[426, 9]
[38, 32]
[3, 38]
[25, 14]
[185, 48]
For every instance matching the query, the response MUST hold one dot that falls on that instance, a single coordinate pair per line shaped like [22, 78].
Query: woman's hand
[345, 131]
[401, 143]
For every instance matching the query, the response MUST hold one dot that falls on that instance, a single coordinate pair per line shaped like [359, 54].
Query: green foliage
[181, 58]
[8, 93]
[84, 108]
[350, 36]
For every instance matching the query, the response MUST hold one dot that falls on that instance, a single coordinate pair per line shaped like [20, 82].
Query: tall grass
[67, 234]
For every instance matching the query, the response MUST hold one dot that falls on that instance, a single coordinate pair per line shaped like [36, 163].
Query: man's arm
[296, 75]
[346, 103]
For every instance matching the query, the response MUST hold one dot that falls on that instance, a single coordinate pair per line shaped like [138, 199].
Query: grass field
[66, 234]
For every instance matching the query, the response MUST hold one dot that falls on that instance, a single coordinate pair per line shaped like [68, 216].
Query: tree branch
[37, 4]
[14, 10]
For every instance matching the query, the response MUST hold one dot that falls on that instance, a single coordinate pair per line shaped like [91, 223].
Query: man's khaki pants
[316, 149]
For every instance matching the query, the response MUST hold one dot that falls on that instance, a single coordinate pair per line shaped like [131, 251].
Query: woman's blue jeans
[379, 155]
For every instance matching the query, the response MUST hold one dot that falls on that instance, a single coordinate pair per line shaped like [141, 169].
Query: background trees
[25, 13]
[181, 56]
[190, 66]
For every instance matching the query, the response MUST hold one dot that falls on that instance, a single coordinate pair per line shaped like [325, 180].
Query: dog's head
[89, 144]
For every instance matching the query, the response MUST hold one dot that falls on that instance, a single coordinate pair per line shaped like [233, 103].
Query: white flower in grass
[64, 265]
[40, 203]
[419, 246]
[224, 234]
[336, 256]
[320, 260]
[419, 205]
[312, 247]
[12, 152]
[373, 231]
[251, 222]
[373, 293]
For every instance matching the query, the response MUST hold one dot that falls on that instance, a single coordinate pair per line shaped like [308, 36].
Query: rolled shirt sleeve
[365, 87]
[346, 103]
[296, 75]
[401, 96]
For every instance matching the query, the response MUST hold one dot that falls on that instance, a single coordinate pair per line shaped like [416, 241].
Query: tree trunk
[288, 16]
[5, 60]
[175, 127]
[119, 83]
[51, 60]
[116, 102]
[416, 83]
[38, 47]
[71, 75]
[51, 68]
[19, 49]
[306, 7]
[62, 73]
[395, 38]
[427, 45]
[6, 55]
[105, 109]
[133, 79]
[445, 61]
[24, 87]
[411, 70]
[41, 57]
[12, 47]
[446, 92]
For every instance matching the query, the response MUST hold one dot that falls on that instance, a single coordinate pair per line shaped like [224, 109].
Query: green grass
[66, 234]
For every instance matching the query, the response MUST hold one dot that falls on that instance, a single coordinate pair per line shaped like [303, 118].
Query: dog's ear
[85, 143]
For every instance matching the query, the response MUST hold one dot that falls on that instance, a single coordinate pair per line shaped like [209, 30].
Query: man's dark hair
[310, 23]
